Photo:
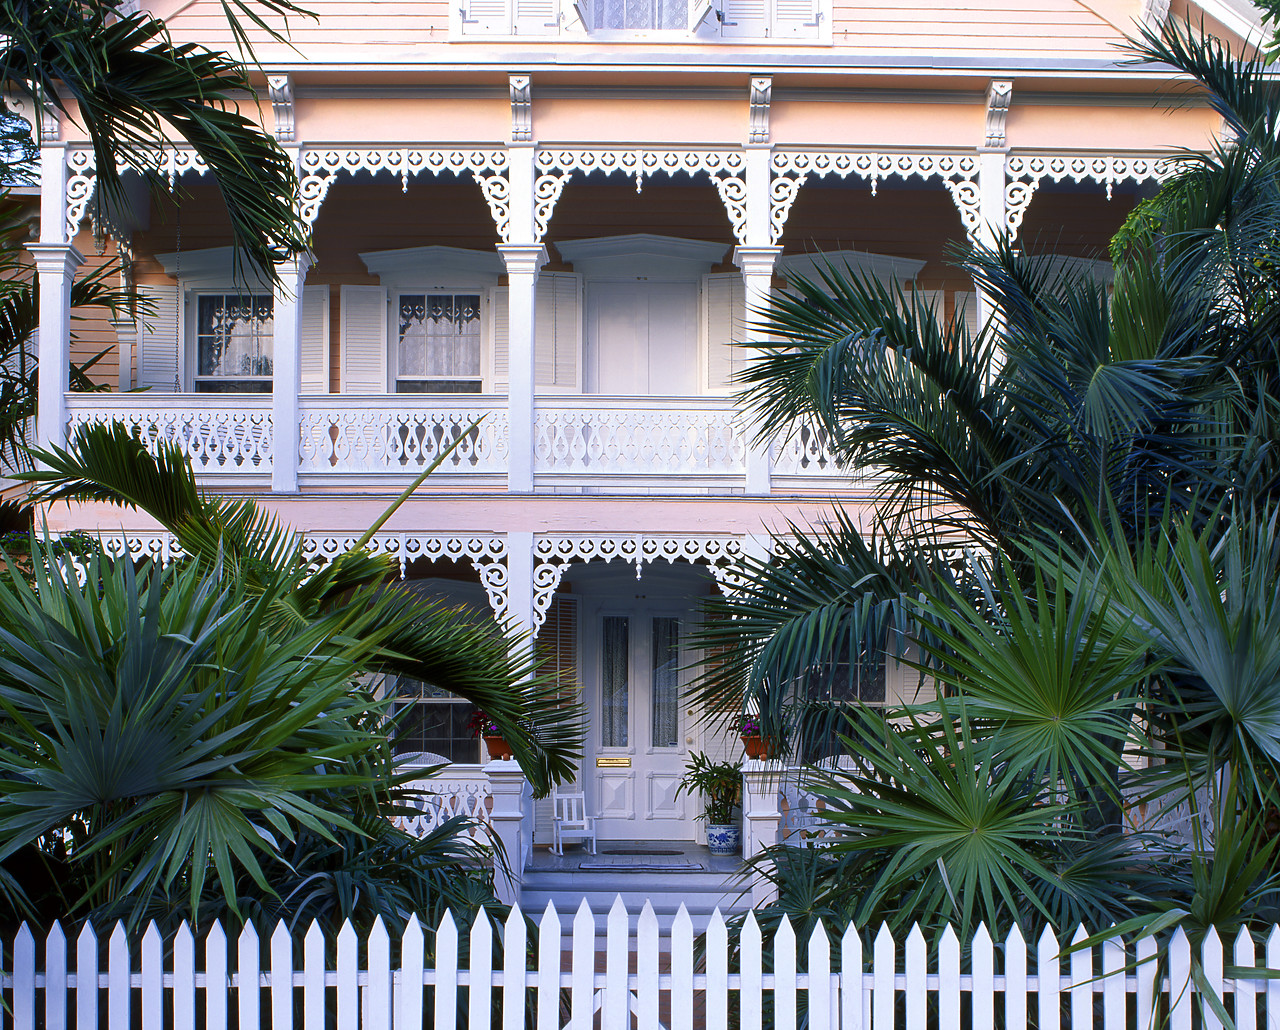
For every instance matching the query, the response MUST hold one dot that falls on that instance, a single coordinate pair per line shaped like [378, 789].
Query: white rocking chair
[570, 821]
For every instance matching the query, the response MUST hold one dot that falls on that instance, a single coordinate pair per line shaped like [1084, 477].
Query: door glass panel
[615, 700]
[666, 682]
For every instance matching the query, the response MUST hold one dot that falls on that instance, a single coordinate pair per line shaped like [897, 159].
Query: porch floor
[671, 856]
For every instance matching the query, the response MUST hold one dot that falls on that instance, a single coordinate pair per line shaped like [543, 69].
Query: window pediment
[885, 267]
[642, 254]
[434, 266]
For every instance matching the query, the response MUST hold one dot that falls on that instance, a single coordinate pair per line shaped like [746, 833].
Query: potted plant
[483, 726]
[753, 742]
[720, 783]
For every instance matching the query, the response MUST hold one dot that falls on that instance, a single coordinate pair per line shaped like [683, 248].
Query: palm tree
[116, 72]
[415, 637]
[1031, 478]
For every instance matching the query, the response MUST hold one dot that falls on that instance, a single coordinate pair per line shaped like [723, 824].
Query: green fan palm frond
[417, 638]
[118, 75]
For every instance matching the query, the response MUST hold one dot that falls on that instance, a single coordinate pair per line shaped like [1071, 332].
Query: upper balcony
[684, 445]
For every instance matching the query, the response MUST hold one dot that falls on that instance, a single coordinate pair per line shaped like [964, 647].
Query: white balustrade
[218, 433]
[806, 451]
[646, 436]
[402, 433]
[699, 440]
[455, 792]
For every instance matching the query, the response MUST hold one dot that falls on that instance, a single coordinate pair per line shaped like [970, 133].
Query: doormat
[640, 866]
[642, 852]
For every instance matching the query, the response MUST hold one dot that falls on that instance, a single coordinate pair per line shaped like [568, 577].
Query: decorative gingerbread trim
[726, 168]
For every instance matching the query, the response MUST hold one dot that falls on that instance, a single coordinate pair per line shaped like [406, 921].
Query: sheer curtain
[666, 682]
[616, 699]
[641, 14]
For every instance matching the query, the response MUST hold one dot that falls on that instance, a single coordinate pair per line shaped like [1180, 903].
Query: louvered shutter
[536, 17]
[501, 321]
[158, 337]
[796, 19]
[967, 305]
[364, 339]
[934, 299]
[486, 17]
[315, 339]
[724, 306]
[556, 654]
[744, 19]
[557, 344]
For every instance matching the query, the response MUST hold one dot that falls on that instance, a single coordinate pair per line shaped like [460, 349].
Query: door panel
[639, 722]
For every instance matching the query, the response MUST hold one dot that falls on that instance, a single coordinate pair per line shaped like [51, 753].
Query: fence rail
[533, 970]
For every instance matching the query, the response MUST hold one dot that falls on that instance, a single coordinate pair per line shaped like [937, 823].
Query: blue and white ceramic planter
[724, 840]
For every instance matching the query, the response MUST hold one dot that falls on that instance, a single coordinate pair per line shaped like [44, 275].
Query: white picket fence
[644, 975]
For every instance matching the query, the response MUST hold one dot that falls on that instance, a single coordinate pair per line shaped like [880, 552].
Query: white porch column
[127, 343]
[991, 207]
[512, 801]
[56, 262]
[523, 261]
[286, 372]
[761, 818]
[756, 264]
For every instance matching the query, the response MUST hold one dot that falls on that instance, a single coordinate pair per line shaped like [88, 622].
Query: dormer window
[642, 15]
[620, 21]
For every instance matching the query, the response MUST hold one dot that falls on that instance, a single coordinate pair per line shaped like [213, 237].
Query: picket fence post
[771, 984]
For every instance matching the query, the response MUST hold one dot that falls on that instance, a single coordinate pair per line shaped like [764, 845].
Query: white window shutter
[967, 304]
[936, 299]
[537, 17]
[315, 339]
[364, 339]
[796, 19]
[556, 654]
[485, 17]
[699, 11]
[558, 338]
[158, 337]
[501, 322]
[724, 304]
[744, 18]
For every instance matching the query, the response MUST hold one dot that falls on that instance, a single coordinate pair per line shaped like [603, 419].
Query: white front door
[639, 734]
[641, 337]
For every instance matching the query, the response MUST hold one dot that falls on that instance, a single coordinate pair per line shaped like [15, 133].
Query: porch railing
[454, 791]
[401, 433]
[551, 977]
[638, 436]
[219, 435]
[582, 440]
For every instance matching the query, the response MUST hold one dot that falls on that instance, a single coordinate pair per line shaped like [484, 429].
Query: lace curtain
[617, 652]
[641, 14]
[666, 682]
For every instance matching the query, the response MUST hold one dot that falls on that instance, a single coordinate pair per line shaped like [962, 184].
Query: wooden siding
[1048, 28]
[91, 329]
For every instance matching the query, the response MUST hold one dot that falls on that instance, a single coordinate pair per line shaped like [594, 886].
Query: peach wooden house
[554, 213]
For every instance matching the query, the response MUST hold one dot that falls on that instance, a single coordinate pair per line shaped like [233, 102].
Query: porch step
[701, 891]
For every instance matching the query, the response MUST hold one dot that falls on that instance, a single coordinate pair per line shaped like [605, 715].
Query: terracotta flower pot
[498, 748]
[756, 746]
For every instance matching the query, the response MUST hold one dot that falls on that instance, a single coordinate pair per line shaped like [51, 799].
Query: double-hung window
[439, 343]
[233, 334]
